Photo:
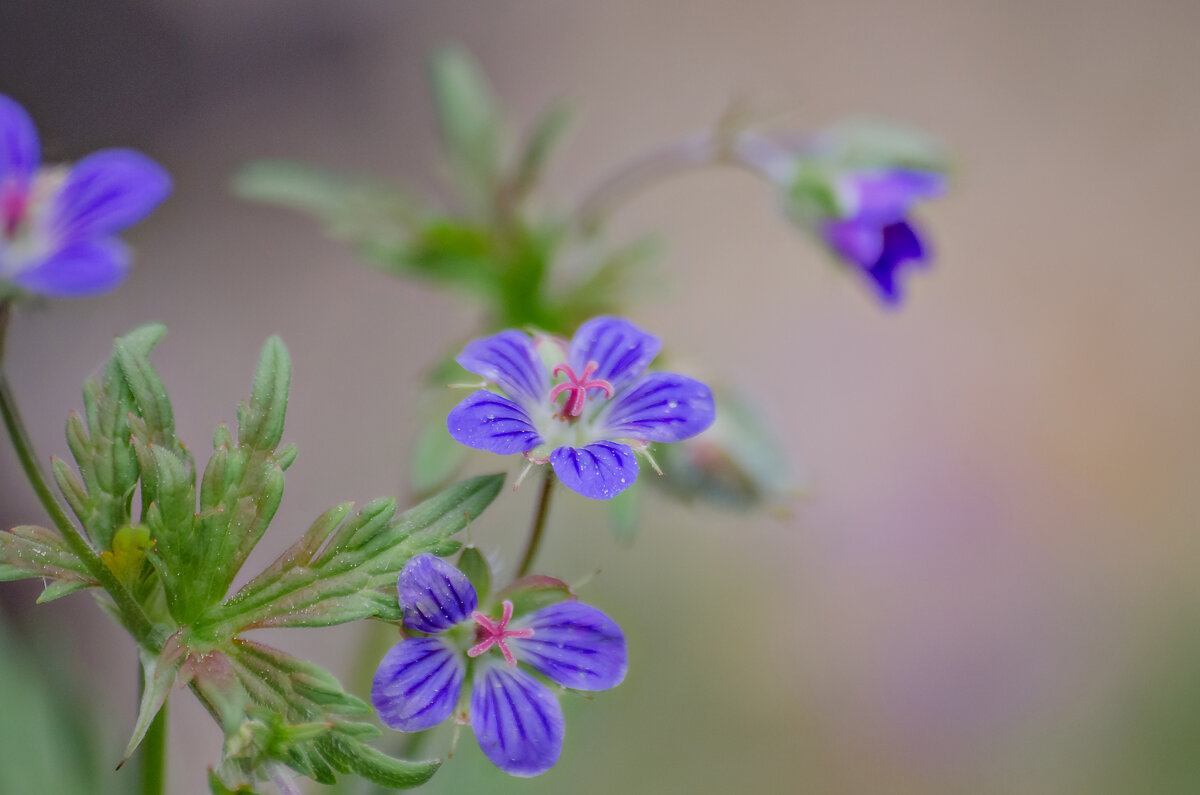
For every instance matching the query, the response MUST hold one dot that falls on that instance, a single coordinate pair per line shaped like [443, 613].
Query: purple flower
[609, 406]
[58, 225]
[873, 231]
[516, 719]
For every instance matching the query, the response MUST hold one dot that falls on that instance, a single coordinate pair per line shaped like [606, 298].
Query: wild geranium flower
[516, 719]
[583, 408]
[873, 231]
[58, 225]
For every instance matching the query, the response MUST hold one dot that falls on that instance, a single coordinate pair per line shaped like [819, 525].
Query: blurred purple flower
[874, 232]
[58, 225]
[516, 719]
[611, 407]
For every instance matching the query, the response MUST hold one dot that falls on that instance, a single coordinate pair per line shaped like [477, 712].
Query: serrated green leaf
[354, 576]
[28, 551]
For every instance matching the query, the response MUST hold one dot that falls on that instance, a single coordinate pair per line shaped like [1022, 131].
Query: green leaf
[473, 564]
[468, 117]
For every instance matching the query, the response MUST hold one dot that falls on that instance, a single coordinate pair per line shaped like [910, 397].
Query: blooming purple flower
[516, 719]
[610, 406]
[873, 231]
[58, 225]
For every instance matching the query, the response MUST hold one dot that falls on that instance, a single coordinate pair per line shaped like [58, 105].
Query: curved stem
[135, 618]
[539, 523]
[695, 151]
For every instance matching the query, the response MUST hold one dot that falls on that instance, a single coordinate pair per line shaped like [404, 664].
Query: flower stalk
[539, 524]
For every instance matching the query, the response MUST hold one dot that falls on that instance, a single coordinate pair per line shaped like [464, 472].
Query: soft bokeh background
[992, 586]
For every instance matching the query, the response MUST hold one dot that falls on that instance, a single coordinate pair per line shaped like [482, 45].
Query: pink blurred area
[989, 584]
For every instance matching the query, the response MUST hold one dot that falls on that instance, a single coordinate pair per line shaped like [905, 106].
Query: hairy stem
[539, 523]
[154, 756]
[134, 617]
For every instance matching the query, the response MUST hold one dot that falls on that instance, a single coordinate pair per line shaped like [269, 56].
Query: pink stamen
[577, 386]
[13, 206]
[495, 633]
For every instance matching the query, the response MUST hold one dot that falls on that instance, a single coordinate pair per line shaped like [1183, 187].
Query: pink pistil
[577, 386]
[490, 633]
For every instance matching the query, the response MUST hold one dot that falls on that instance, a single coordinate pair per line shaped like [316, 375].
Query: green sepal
[473, 564]
[531, 593]
[624, 514]
[218, 787]
[352, 756]
[436, 457]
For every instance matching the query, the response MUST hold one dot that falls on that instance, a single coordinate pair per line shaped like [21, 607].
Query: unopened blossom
[516, 719]
[585, 408]
[873, 231]
[59, 224]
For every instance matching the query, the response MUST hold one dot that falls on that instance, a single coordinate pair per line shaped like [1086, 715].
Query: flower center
[14, 204]
[576, 387]
[490, 633]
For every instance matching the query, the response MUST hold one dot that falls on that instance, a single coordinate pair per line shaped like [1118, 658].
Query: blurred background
[990, 586]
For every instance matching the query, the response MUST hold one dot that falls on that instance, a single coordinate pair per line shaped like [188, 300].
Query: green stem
[154, 756]
[539, 523]
[135, 618]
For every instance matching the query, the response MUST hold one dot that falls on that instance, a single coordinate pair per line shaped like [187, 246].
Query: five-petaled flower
[58, 225]
[516, 719]
[872, 231]
[609, 406]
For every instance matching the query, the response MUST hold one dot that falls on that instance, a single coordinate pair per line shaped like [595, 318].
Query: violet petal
[20, 153]
[78, 270]
[108, 191]
[418, 684]
[600, 471]
[487, 421]
[434, 595]
[517, 721]
[662, 407]
[621, 349]
[574, 644]
[510, 361]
